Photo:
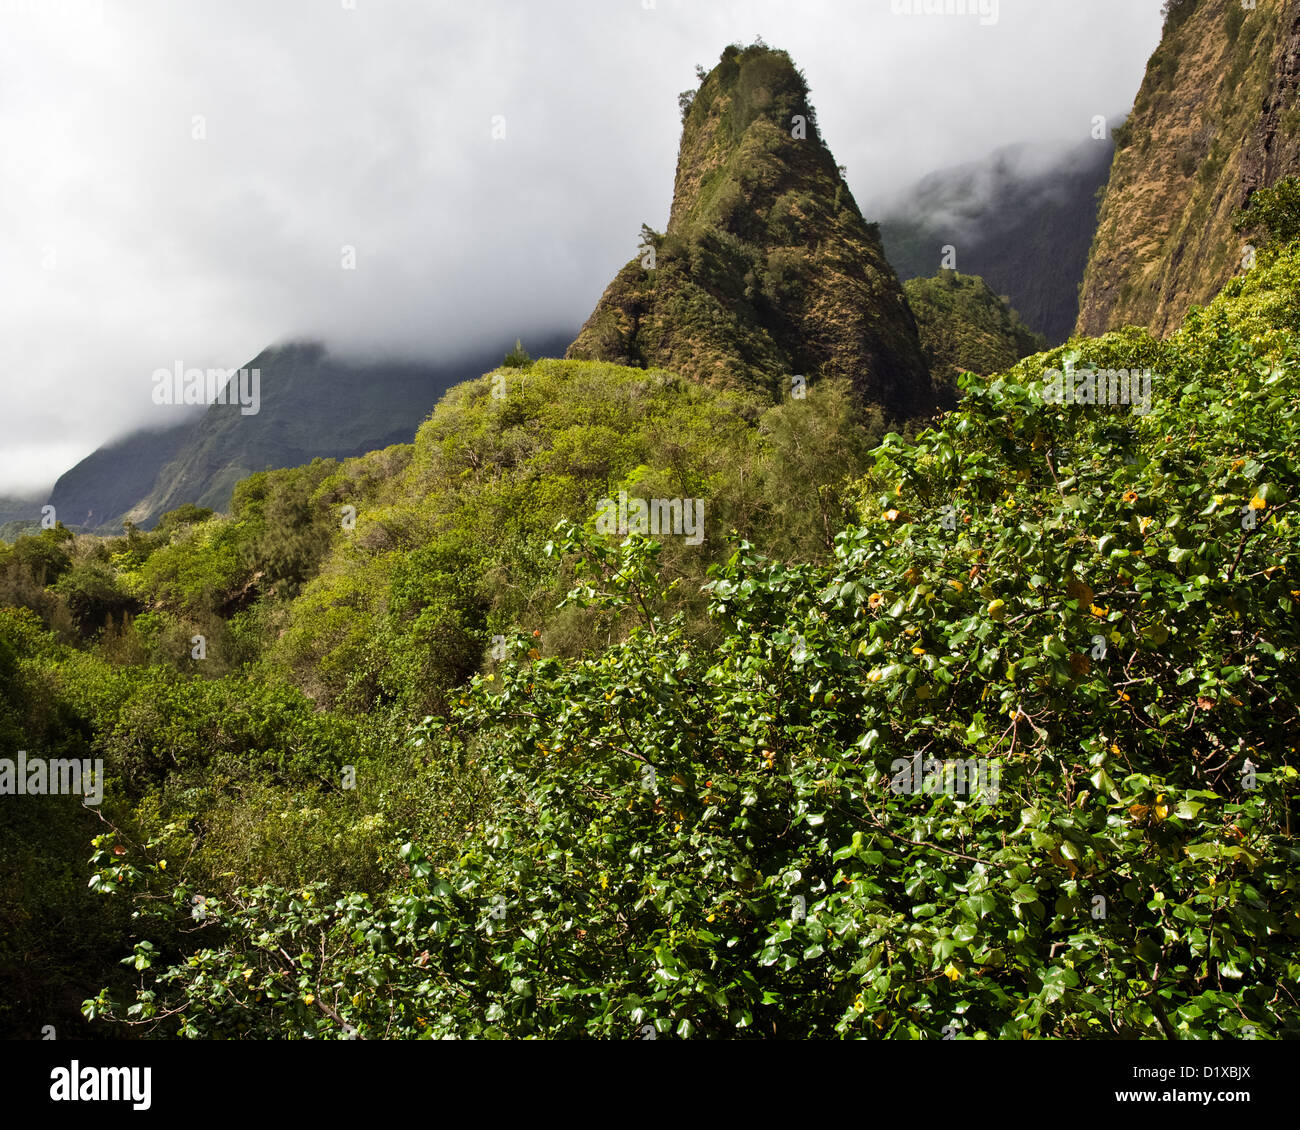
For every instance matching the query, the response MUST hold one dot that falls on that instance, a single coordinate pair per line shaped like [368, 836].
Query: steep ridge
[1217, 117]
[113, 478]
[767, 268]
[1019, 220]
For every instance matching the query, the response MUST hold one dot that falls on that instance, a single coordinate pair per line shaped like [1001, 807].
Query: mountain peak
[744, 109]
[767, 269]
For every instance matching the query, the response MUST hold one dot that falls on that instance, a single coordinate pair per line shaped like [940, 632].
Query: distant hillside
[313, 404]
[1217, 117]
[1020, 220]
[18, 516]
[767, 268]
[965, 326]
[111, 480]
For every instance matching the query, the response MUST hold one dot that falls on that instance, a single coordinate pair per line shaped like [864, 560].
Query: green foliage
[405, 608]
[1274, 212]
[198, 572]
[43, 557]
[186, 515]
[965, 327]
[712, 839]
[1175, 13]
[518, 357]
[95, 594]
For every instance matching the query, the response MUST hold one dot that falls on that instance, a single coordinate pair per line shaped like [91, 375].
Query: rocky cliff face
[767, 268]
[1217, 118]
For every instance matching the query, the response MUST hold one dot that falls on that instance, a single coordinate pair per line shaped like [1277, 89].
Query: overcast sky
[179, 177]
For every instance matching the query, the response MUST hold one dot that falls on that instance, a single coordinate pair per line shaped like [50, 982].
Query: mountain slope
[1019, 220]
[312, 404]
[113, 478]
[965, 326]
[767, 268]
[1216, 118]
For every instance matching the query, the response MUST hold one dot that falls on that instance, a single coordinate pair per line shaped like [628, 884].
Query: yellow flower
[918, 651]
[952, 972]
[1130, 496]
[491, 678]
[308, 999]
[604, 879]
[1098, 611]
[875, 600]
[858, 1006]
[1257, 503]
[162, 865]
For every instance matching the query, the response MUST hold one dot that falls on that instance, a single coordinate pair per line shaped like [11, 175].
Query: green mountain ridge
[767, 269]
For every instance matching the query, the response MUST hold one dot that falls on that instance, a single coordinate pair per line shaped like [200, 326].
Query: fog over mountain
[184, 182]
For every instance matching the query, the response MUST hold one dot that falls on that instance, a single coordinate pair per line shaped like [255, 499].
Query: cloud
[183, 181]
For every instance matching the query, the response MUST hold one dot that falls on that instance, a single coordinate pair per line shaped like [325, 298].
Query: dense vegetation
[227, 668]
[404, 796]
[965, 327]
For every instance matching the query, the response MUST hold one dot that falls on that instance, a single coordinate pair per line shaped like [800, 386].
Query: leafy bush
[710, 840]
